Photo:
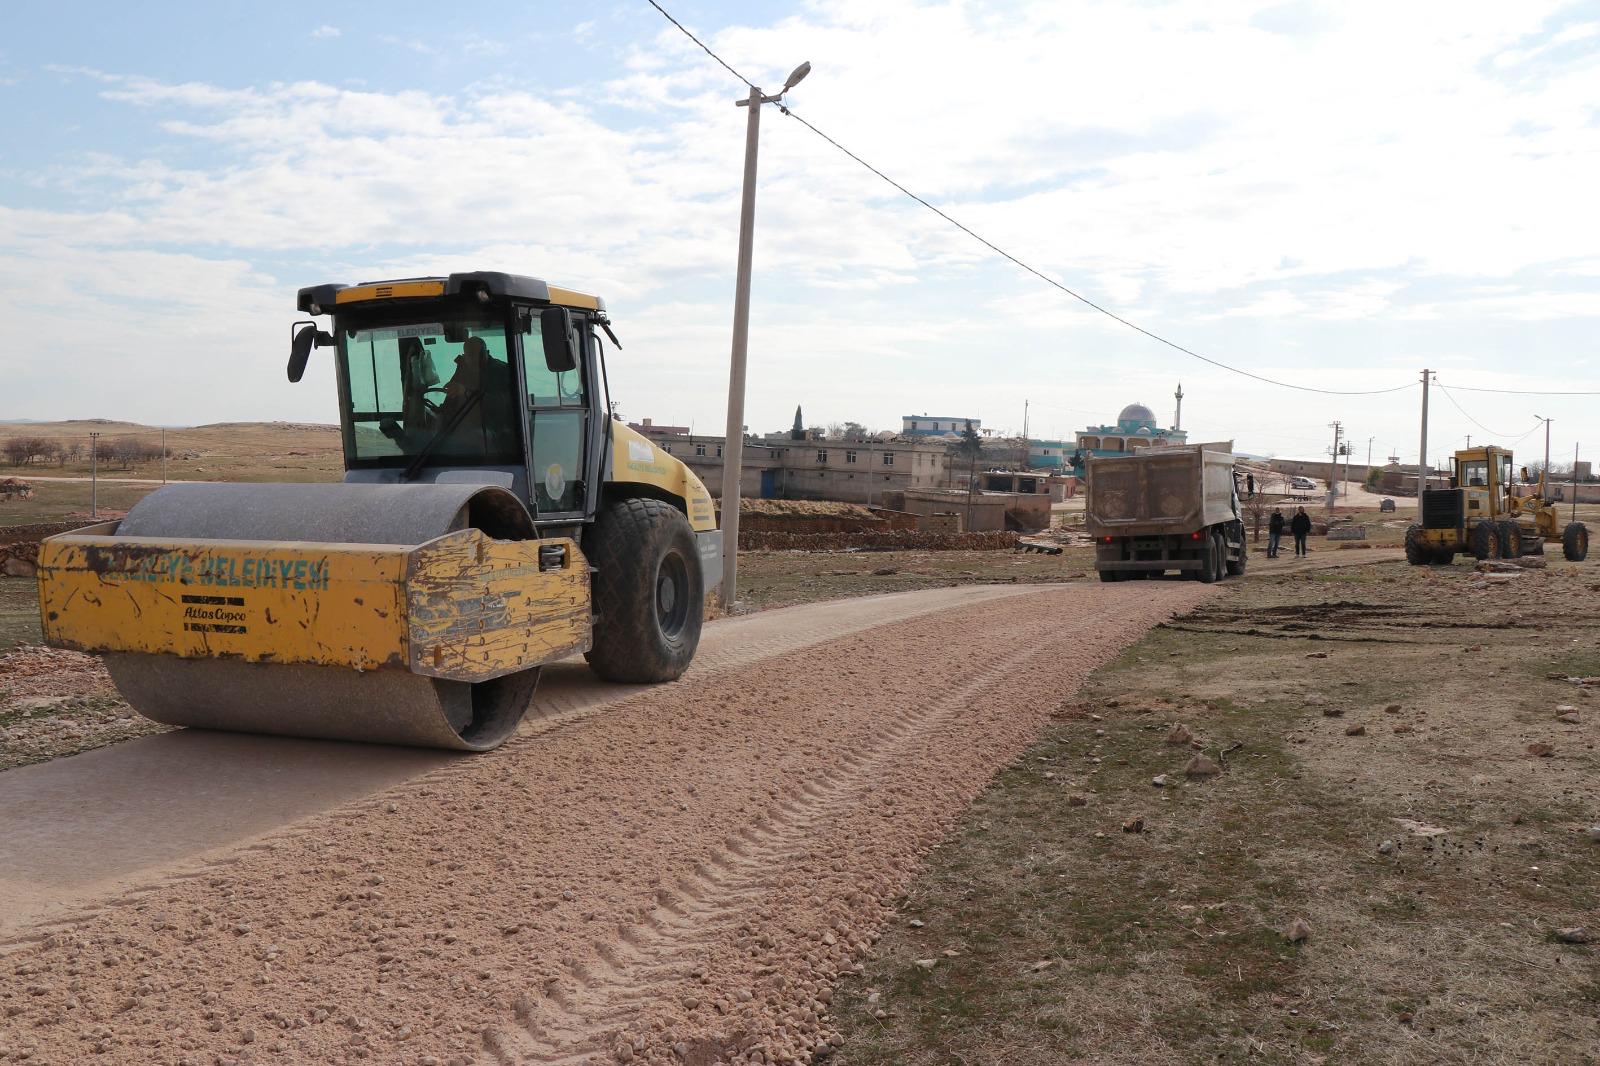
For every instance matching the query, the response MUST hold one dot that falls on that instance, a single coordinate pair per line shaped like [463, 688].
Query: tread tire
[1575, 542]
[1510, 540]
[1418, 553]
[1110, 575]
[634, 545]
[1209, 564]
[1485, 541]
[1236, 567]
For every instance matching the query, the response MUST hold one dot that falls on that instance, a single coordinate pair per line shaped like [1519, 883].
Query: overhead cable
[1456, 404]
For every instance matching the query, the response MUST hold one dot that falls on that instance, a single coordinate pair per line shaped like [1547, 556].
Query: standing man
[1300, 526]
[1274, 533]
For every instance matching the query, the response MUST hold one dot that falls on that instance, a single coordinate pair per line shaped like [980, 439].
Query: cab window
[444, 386]
[557, 423]
[1475, 474]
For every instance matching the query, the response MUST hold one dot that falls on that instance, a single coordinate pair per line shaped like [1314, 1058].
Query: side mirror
[555, 330]
[308, 336]
[1525, 474]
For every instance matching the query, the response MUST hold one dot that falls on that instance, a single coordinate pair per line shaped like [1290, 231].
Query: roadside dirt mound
[890, 540]
[677, 880]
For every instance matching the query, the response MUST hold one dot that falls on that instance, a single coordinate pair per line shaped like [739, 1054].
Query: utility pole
[1025, 445]
[163, 455]
[1422, 450]
[1333, 462]
[733, 442]
[1574, 482]
[94, 475]
[1544, 475]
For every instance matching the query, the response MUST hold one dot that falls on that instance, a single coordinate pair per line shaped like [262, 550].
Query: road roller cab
[494, 517]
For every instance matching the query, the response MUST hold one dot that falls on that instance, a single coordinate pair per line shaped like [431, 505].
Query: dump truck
[494, 517]
[1482, 514]
[1166, 508]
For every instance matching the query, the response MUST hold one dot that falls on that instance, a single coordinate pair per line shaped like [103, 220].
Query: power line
[748, 83]
[1456, 404]
[1526, 392]
[1018, 262]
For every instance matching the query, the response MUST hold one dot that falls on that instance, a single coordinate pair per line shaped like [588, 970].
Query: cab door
[560, 466]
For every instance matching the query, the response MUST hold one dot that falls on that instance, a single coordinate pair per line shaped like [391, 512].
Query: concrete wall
[854, 472]
[1319, 470]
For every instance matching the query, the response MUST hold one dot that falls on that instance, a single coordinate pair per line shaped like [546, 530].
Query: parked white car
[1302, 483]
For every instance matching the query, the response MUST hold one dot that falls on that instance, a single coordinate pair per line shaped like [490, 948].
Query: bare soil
[1408, 768]
[679, 879]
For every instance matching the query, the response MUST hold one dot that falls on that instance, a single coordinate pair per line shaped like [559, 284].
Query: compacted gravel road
[676, 880]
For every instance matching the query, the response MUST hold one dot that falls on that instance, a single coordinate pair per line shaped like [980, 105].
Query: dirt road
[675, 880]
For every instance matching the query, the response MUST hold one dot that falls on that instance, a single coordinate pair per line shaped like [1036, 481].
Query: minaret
[799, 430]
[1177, 419]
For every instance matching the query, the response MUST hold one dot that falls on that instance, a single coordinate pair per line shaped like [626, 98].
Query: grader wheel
[1510, 540]
[1417, 553]
[649, 594]
[1485, 541]
[1575, 542]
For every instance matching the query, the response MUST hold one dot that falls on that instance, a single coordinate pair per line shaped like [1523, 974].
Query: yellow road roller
[494, 517]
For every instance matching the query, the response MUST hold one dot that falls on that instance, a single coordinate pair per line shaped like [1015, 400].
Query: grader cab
[1483, 514]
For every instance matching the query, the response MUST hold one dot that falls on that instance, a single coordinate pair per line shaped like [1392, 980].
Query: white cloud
[323, 33]
[1281, 185]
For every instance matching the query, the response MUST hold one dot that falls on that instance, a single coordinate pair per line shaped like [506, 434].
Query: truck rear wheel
[1111, 575]
[1210, 564]
[1485, 541]
[1575, 542]
[648, 592]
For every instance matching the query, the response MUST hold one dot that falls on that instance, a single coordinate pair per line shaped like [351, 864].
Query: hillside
[222, 451]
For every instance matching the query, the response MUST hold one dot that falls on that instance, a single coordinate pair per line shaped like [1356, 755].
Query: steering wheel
[430, 404]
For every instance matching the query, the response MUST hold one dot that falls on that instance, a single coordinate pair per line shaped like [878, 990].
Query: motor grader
[1481, 514]
[493, 518]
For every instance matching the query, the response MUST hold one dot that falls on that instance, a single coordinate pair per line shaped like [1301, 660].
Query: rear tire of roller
[648, 592]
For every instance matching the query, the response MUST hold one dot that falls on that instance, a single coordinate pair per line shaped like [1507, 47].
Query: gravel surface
[678, 879]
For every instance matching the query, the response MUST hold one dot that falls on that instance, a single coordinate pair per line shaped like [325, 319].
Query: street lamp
[733, 442]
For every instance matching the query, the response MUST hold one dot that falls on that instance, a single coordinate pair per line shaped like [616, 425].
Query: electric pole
[94, 475]
[1333, 462]
[1422, 449]
[1544, 475]
[733, 442]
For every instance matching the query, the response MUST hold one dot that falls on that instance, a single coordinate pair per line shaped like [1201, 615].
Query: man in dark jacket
[1274, 533]
[1300, 526]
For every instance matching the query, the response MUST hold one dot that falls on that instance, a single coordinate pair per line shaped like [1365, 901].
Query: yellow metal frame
[636, 459]
[389, 290]
[463, 606]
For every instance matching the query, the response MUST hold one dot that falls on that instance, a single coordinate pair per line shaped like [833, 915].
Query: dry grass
[1078, 941]
[223, 451]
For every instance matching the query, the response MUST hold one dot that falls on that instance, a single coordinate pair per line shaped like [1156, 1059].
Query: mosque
[1135, 428]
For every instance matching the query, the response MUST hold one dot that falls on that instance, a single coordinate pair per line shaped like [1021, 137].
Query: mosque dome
[1136, 412]
[1144, 431]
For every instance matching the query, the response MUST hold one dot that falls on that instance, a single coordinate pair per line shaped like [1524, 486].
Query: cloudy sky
[1331, 195]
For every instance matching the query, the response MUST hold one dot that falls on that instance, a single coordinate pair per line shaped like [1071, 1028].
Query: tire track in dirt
[642, 963]
[677, 880]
